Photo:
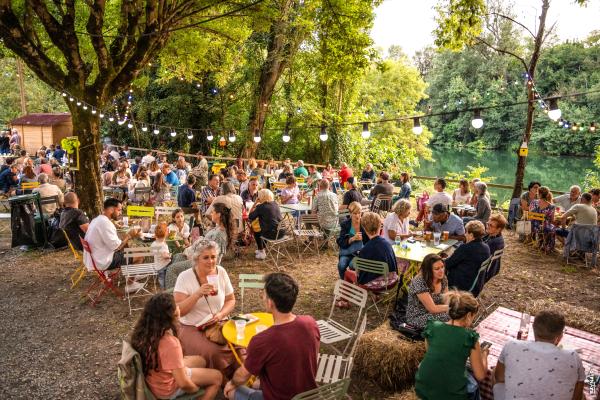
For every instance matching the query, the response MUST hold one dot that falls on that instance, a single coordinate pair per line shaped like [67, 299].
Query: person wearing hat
[443, 220]
[352, 194]
[384, 187]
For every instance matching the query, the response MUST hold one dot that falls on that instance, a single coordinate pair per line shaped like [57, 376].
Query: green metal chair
[379, 268]
[249, 281]
[332, 391]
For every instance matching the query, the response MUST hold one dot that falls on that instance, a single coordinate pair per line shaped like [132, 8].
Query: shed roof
[42, 119]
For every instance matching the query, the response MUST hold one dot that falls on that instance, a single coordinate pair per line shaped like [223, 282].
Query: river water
[556, 172]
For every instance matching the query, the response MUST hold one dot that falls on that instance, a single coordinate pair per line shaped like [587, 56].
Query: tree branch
[504, 51]
[94, 28]
[514, 21]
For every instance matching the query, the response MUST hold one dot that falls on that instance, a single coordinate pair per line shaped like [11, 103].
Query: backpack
[131, 376]
[398, 318]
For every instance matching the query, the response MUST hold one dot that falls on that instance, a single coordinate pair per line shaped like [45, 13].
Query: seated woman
[376, 249]
[495, 241]
[462, 195]
[544, 231]
[290, 193]
[442, 373]
[225, 229]
[202, 303]
[405, 189]
[425, 293]
[266, 210]
[395, 225]
[463, 265]
[161, 189]
[181, 227]
[483, 209]
[352, 194]
[168, 373]
[352, 237]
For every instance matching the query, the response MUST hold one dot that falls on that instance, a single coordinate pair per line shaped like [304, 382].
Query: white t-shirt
[393, 223]
[103, 239]
[184, 232]
[147, 159]
[539, 370]
[163, 256]
[439, 198]
[459, 198]
[188, 284]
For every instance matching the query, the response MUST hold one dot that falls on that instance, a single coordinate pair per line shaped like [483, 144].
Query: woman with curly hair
[168, 373]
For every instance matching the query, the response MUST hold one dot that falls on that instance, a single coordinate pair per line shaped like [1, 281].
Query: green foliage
[458, 23]
[471, 173]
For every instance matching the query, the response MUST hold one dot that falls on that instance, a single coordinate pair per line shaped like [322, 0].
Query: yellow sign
[523, 150]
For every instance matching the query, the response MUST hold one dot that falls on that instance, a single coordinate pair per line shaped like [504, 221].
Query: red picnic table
[503, 324]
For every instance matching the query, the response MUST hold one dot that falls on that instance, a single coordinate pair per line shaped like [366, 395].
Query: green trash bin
[28, 224]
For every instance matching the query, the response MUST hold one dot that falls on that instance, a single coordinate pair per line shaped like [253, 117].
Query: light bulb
[222, 141]
[190, 136]
[85, 107]
[121, 122]
[209, 136]
[323, 136]
[111, 119]
[144, 128]
[257, 139]
[286, 136]
[554, 113]
[173, 133]
[156, 131]
[477, 122]
[78, 103]
[365, 132]
[232, 136]
[417, 128]
[94, 111]
[64, 94]
[71, 99]
[101, 115]
[130, 125]
[561, 122]
[593, 127]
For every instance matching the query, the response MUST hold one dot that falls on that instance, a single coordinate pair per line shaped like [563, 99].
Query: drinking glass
[397, 240]
[436, 238]
[213, 280]
[524, 327]
[240, 328]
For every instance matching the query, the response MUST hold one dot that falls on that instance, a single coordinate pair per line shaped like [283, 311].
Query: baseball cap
[439, 209]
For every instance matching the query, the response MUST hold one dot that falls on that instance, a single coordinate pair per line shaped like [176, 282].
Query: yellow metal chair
[279, 185]
[300, 180]
[81, 270]
[142, 213]
[535, 234]
[216, 167]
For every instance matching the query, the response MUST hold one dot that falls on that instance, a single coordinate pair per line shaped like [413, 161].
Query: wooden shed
[39, 130]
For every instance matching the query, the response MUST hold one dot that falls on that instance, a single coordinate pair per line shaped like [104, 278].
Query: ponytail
[460, 304]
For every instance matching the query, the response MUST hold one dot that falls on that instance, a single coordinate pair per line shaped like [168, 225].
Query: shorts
[179, 392]
[117, 261]
[246, 393]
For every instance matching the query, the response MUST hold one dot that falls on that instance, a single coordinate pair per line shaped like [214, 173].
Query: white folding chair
[144, 273]
[309, 234]
[333, 331]
[162, 211]
[276, 249]
[332, 391]
[332, 368]
[249, 281]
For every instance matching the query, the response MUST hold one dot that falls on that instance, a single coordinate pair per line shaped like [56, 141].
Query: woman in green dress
[442, 374]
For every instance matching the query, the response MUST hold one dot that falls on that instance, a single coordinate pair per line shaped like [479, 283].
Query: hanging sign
[523, 150]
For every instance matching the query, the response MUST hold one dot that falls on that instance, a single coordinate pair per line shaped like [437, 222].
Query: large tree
[93, 50]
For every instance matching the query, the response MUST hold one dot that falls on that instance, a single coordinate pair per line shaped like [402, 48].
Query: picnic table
[503, 324]
[415, 252]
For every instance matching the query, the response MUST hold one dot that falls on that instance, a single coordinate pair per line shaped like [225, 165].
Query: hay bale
[576, 316]
[405, 395]
[388, 358]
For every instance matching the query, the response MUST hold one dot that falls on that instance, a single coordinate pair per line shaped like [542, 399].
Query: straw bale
[388, 358]
[405, 395]
[576, 316]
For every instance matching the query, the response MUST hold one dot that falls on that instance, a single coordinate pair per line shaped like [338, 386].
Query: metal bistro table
[230, 333]
[301, 208]
[415, 252]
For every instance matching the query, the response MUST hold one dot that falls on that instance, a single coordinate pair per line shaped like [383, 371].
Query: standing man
[284, 357]
[15, 139]
[148, 158]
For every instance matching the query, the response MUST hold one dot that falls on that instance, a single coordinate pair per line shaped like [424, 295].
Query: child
[168, 373]
[179, 225]
[163, 257]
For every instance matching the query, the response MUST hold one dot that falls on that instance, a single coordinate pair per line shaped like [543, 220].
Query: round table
[230, 334]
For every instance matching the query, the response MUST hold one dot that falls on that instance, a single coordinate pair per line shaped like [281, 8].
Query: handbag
[255, 224]
[214, 331]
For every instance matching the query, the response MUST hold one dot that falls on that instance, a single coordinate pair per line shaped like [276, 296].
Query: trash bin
[27, 225]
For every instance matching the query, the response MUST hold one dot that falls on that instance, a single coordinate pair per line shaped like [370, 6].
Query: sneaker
[261, 255]
[133, 287]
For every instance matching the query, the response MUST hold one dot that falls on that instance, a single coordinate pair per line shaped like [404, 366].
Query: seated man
[546, 371]
[170, 176]
[495, 241]
[48, 190]
[314, 177]
[104, 242]
[186, 195]
[368, 174]
[283, 357]
[438, 197]
[583, 212]
[325, 205]
[9, 178]
[73, 220]
[385, 187]
[568, 200]
[443, 220]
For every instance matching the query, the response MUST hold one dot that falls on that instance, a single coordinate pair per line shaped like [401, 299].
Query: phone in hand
[485, 345]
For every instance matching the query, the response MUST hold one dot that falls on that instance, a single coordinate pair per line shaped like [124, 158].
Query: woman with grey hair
[395, 225]
[205, 296]
[482, 207]
[230, 199]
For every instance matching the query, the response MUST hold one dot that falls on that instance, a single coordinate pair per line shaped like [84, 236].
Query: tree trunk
[88, 182]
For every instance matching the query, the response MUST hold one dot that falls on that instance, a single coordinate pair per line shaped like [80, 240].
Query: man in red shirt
[345, 173]
[284, 356]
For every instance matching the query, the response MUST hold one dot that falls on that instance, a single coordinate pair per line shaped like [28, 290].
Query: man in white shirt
[107, 248]
[48, 190]
[540, 370]
[568, 200]
[148, 158]
[439, 196]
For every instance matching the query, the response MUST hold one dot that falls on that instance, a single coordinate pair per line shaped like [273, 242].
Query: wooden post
[21, 86]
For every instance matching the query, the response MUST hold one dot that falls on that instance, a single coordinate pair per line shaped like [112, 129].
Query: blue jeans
[343, 264]
[246, 393]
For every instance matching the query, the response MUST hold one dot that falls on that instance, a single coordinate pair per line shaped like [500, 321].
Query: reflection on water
[556, 172]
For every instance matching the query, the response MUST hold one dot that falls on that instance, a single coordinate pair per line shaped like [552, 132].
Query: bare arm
[578, 391]
[499, 373]
[187, 302]
[183, 381]
[239, 378]
[432, 308]
[479, 362]
[84, 227]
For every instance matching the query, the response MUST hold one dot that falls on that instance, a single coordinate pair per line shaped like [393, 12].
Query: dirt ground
[57, 346]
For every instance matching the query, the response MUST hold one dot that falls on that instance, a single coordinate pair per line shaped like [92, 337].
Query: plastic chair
[249, 281]
[105, 278]
[333, 331]
[276, 248]
[332, 391]
[143, 273]
[81, 270]
[332, 368]
[379, 268]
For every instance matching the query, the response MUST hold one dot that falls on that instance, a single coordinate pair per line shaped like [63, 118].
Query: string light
[71, 99]
[190, 135]
[94, 111]
[209, 136]
[78, 103]
[365, 131]
[257, 137]
[121, 121]
[477, 122]
[554, 113]
[323, 135]
[144, 128]
[173, 133]
[130, 125]
[593, 127]
[286, 135]
[417, 128]
[101, 115]
[85, 107]
[232, 136]
[64, 94]
[111, 118]
[156, 131]
[222, 141]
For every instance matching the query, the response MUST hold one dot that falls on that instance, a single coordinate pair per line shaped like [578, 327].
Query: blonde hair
[545, 194]
[401, 206]
[265, 195]
[371, 222]
[354, 207]
[476, 229]
[161, 230]
[460, 304]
